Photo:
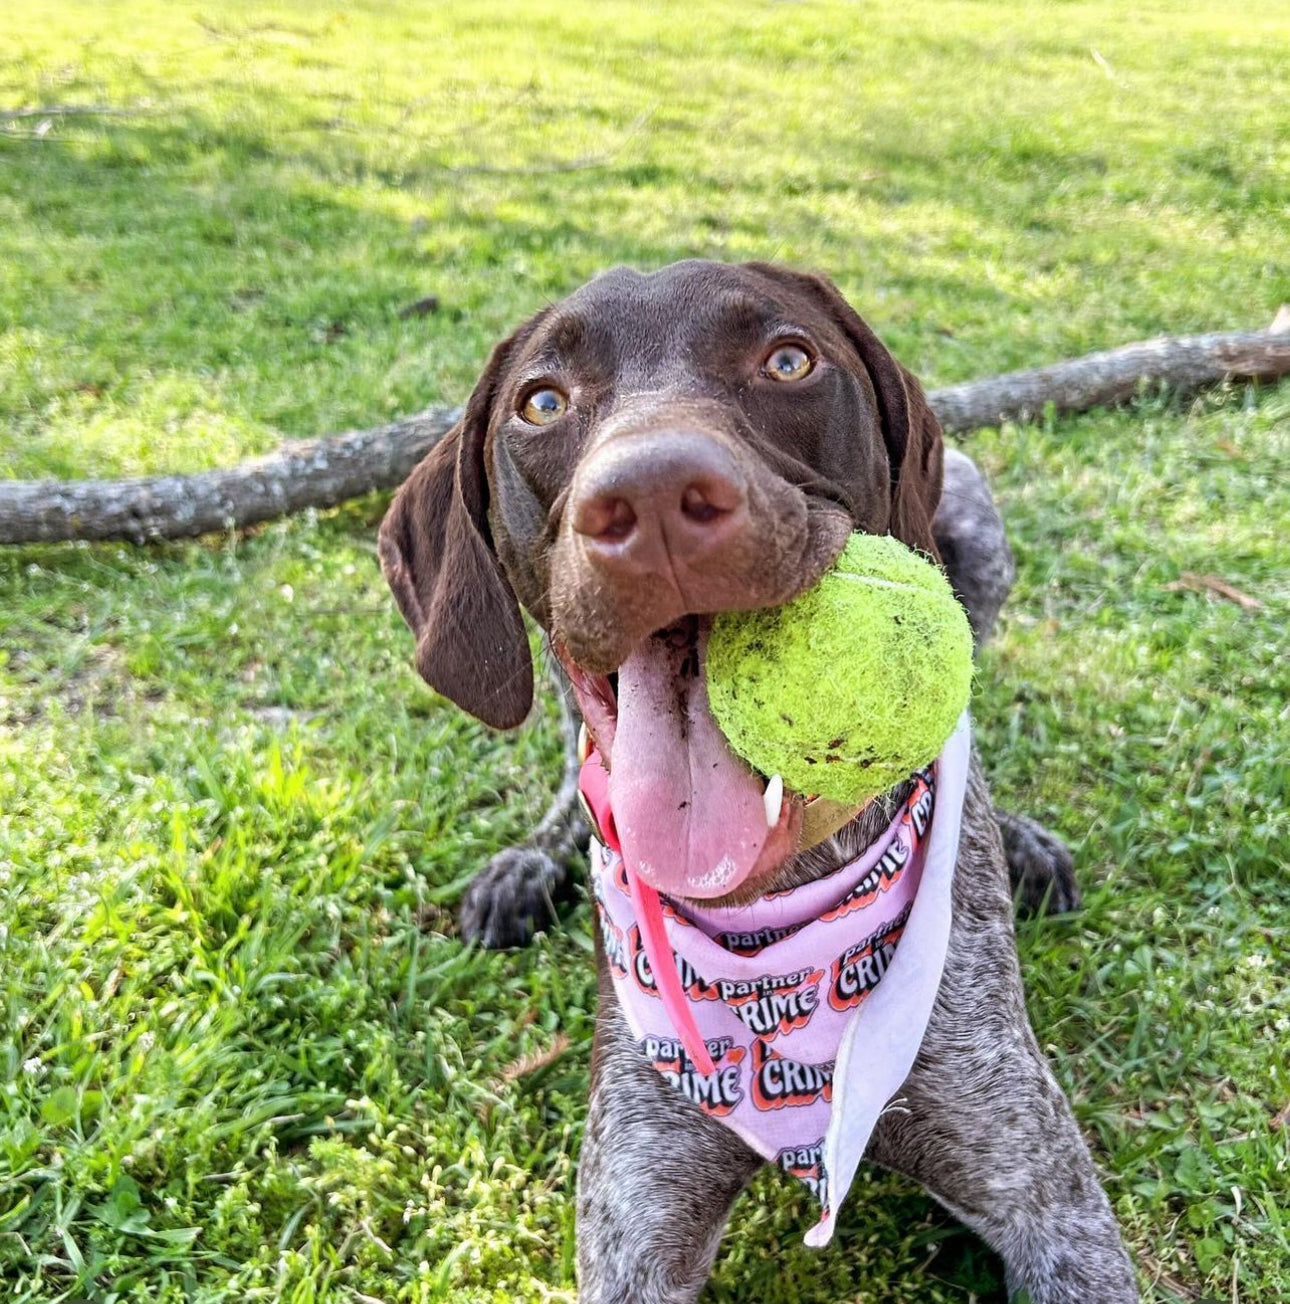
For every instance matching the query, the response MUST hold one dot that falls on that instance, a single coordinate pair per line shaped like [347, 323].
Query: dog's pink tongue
[688, 811]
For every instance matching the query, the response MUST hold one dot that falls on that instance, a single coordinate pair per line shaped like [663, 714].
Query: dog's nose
[647, 501]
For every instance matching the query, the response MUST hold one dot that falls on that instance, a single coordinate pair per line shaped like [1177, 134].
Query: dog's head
[652, 450]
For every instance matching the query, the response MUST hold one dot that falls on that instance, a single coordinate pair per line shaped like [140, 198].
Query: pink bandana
[777, 1024]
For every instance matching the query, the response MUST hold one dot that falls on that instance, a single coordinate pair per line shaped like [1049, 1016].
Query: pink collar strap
[794, 1020]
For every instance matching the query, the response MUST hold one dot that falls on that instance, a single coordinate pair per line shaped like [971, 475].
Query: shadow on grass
[199, 286]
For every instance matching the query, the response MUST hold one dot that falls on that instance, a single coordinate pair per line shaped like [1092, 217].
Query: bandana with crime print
[808, 1005]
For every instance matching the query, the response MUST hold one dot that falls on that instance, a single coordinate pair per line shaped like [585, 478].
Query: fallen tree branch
[323, 472]
[1179, 363]
[307, 473]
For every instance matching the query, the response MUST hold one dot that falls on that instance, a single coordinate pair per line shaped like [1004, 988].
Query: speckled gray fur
[973, 547]
[980, 1122]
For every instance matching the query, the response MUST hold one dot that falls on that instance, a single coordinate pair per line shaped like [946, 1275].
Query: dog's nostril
[698, 505]
[608, 520]
[621, 522]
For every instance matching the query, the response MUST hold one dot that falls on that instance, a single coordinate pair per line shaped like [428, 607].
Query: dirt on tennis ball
[852, 687]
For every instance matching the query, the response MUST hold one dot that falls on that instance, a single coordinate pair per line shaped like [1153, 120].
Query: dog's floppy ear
[437, 554]
[910, 430]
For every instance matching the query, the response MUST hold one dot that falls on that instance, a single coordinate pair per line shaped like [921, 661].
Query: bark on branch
[323, 472]
[305, 473]
[1181, 363]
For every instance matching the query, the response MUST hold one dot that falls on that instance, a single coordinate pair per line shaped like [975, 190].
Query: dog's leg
[1039, 865]
[656, 1179]
[982, 1123]
[969, 534]
[516, 892]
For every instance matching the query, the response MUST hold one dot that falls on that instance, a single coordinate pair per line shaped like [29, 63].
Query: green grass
[242, 1054]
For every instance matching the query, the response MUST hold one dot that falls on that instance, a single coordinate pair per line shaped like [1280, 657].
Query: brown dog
[652, 450]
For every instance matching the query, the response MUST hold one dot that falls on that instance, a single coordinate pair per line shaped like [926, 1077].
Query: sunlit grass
[242, 1054]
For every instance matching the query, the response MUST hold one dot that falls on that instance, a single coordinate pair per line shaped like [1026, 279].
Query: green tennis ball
[852, 687]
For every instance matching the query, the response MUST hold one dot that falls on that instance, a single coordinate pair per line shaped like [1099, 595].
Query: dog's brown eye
[788, 362]
[543, 406]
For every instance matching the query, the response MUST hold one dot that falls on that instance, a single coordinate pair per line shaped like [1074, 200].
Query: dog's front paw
[1040, 866]
[512, 897]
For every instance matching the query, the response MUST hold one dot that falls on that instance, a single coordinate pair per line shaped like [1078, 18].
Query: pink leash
[593, 783]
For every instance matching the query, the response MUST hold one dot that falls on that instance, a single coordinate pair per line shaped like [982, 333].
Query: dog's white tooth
[774, 800]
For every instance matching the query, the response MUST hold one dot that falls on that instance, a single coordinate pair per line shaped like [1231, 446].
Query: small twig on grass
[1160, 1275]
[535, 1060]
[522, 1067]
[1214, 587]
[366, 1225]
[1202, 764]
[73, 111]
[217, 32]
[585, 164]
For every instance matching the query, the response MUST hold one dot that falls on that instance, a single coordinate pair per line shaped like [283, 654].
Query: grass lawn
[243, 1056]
